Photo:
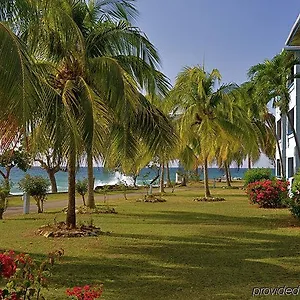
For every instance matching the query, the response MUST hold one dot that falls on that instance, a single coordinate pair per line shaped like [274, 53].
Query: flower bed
[209, 199]
[25, 279]
[268, 193]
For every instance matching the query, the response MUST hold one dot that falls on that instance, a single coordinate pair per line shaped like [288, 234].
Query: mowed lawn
[179, 249]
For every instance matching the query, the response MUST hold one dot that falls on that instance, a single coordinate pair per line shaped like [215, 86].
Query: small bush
[257, 174]
[294, 203]
[296, 186]
[268, 193]
[4, 192]
[295, 209]
[37, 187]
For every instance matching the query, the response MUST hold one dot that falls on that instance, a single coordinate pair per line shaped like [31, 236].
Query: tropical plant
[11, 158]
[4, 192]
[50, 159]
[258, 135]
[82, 188]
[257, 174]
[205, 112]
[164, 153]
[91, 62]
[268, 193]
[294, 202]
[37, 187]
[272, 78]
[24, 278]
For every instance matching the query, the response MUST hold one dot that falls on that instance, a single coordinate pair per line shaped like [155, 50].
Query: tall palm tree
[203, 116]
[92, 62]
[272, 79]
[259, 134]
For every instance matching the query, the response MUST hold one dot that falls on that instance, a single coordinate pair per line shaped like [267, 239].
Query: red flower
[267, 193]
[7, 265]
[84, 293]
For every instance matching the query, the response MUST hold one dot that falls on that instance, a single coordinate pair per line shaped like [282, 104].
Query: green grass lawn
[179, 249]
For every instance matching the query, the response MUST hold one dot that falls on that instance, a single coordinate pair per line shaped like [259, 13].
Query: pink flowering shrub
[24, 278]
[268, 193]
[85, 293]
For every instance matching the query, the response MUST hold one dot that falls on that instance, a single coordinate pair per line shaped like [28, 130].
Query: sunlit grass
[180, 249]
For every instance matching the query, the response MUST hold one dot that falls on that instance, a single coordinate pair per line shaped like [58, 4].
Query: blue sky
[230, 35]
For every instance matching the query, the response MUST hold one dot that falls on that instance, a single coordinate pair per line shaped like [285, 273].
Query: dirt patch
[96, 210]
[209, 199]
[61, 230]
[152, 199]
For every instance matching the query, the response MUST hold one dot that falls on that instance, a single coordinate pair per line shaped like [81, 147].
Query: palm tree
[258, 134]
[204, 111]
[92, 71]
[272, 79]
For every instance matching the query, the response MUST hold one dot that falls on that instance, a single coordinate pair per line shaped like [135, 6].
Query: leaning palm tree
[205, 111]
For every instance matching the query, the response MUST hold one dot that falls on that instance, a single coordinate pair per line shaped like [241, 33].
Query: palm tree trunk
[83, 200]
[134, 177]
[162, 178]
[294, 133]
[168, 175]
[270, 124]
[91, 181]
[197, 173]
[205, 173]
[71, 215]
[52, 180]
[280, 158]
[249, 162]
[227, 173]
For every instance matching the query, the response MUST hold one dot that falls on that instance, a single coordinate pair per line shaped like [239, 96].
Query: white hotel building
[291, 163]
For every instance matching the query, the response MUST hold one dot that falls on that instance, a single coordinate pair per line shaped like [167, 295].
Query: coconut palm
[258, 134]
[160, 137]
[205, 111]
[272, 79]
[92, 62]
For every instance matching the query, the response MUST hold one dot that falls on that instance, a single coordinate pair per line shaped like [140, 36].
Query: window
[290, 166]
[278, 168]
[291, 117]
[278, 129]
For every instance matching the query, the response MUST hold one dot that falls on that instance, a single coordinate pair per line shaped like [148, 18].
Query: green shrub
[37, 187]
[4, 192]
[295, 209]
[296, 186]
[257, 174]
[294, 203]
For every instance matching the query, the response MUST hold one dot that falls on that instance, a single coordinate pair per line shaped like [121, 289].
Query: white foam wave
[118, 178]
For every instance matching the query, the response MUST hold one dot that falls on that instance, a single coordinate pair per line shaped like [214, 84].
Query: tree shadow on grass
[224, 264]
[200, 218]
[192, 267]
[220, 257]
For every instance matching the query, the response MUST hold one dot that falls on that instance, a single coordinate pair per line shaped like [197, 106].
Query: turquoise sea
[104, 177]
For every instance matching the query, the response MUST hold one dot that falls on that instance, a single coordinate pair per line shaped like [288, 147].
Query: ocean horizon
[106, 177]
